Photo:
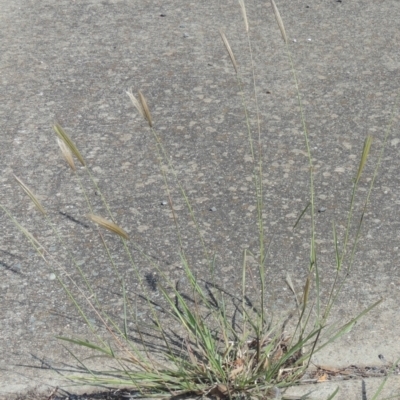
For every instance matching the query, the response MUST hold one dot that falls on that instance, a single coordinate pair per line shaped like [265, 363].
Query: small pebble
[321, 209]
[164, 203]
[213, 209]
[17, 266]
[185, 35]
[52, 277]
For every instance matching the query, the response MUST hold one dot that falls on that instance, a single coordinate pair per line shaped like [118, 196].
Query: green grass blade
[125, 317]
[337, 253]
[383, 383]
[349, 325]
[331, 396]
[301, 215]
[87, 344]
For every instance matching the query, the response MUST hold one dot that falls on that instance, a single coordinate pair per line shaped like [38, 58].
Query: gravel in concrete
[72, 61]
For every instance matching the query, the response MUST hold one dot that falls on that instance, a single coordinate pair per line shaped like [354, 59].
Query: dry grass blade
[136, 103]
[291, 286]
[279, 20]
[364, 156]
[69, 143]
[146, 110]
[66, 152]
[31, 195]
[38, 247]
[230, 52]
[105, 223]
[243, 8]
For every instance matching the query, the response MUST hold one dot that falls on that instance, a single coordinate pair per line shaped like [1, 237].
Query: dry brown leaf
[219, 391]
[277, 355]
[235, 372]
[238, 362]
[323, 378]
[329, 369]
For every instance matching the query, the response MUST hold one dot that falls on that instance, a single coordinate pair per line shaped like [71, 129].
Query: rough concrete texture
[72, 61]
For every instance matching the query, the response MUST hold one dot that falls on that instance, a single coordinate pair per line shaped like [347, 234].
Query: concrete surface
[72, 61]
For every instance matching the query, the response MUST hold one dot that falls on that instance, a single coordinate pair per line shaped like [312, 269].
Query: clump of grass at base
[214, 356]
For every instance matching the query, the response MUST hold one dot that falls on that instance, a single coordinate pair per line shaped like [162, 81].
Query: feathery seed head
[146, 110]
[243, 8]
[66, 152]
[31, 195]
[279, 21]
[68, 142]
[105, 223]
[228, 48]
[364, 156]
[135, 102]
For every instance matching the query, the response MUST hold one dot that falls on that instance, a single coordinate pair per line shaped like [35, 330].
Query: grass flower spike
[205, 337]
[31, 195]
[279, 21]
[136, 102]
[243, 8]
[364, 156]
[141, 106]
[145, 108]
[68, 142]
[105, 223]
[66, 152]
[230, 52]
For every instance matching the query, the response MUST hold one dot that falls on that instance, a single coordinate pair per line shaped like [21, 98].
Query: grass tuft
[224, 345]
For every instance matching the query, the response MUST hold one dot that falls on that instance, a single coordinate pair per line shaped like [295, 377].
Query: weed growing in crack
[218, 350]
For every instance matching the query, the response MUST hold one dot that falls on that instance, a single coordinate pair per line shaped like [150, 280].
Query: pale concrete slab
[72, 61]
